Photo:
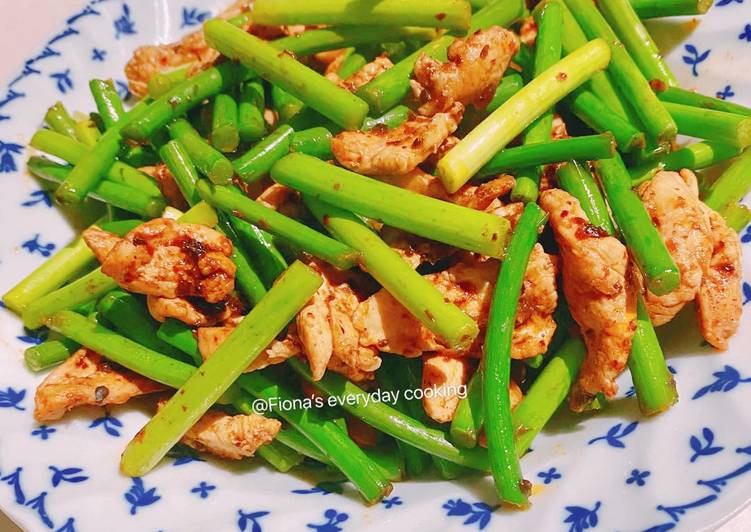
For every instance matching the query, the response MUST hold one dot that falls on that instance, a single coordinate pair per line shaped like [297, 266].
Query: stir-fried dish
[359, 236]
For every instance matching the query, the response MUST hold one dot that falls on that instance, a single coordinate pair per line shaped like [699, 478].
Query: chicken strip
[231, 437]
[210, 338]
[191, 51]
[191, 311]
[672, 201]
[599, 293]
[369, 71]
[470, 76]
[442, 380]
[168, 259]
[384, 323]
[419, 181]
[87, 378]
[326, 330]
[396, 151]
[166, 182]
[484, 197]
[275, 196]
[719, 300]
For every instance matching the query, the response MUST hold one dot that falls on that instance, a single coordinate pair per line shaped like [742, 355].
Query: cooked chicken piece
[384, 323]
[396, 151]
[353, 374]
[167, 185]
[599, 292]
[534, 325]
[86, 378]
[414, 249]
[442, 150]
[168, 259]
[333, 60]
[332, 57]
[419, 181]
[528, 31]
[193, 311]
[672, 201]
[379, 65]
[231, 437]
[210, 338]
[511, 211]
[470, 76]
[275, 196]
[325, 329]
[192, 50]
[482, 197]
[100, 242]
[442, 379]
[719, 301]
[559, 128]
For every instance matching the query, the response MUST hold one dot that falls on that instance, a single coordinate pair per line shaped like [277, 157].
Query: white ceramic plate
[687, 469]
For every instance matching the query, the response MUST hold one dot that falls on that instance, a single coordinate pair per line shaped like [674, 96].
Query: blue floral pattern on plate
[703, 457]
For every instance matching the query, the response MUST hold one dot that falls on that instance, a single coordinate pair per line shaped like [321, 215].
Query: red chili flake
[658, 85]
[725, 268]
[440, 16]
[561, 76]
[590, 231]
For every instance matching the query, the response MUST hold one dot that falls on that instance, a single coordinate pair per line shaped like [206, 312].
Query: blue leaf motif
[334, 518]
[97, 54]
[725, 380]
[203, 489]
[390, 503]
[721, 3]
[725, 93]
[8, 151]
[251, 519]
[110, 424]
[124, 25]
[746, 34]
[703, 449]
[86, 12]
[69, 526]
[746, 236]
[37, 503]
[615, 434]
[14, 480]
[478, 512]
[193, 17]
[43, 431]
[139, 496]
[62, 80]
[33, 245]
[11, 398]
[582, 518]
[746, 293]
[37, 197]
[324, 488]
[550, 475]
[675, 512]
[661, 528]
[35, 337]
[122, 90]
[69, 474]
[638, 478]
[694, 58]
